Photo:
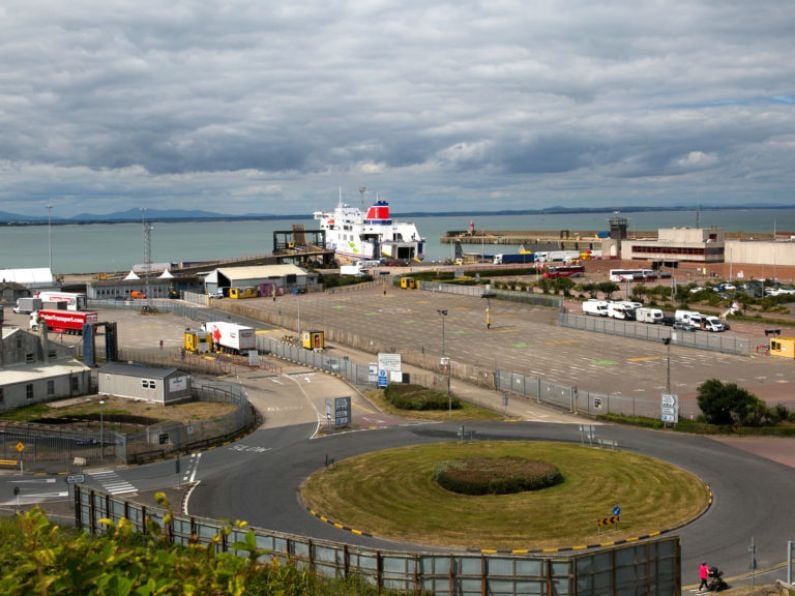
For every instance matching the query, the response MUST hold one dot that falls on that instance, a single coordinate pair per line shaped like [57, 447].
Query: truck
[231, 337]
[25, 306]
[521, 258]
[649, 315]
[594, 307]
[74, 301]
[62, 321]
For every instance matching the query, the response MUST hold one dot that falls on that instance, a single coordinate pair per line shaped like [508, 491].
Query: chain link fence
[481, 291]
[650, 566]
[702, 340]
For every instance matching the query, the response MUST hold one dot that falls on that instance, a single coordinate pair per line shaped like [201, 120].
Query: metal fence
[96, 441]
[481, 291]
[717, 342]
[644, 567]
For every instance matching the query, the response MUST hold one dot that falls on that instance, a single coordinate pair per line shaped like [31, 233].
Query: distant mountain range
[136, 215]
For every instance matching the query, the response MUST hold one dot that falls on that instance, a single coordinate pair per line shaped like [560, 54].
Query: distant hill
[154, 215]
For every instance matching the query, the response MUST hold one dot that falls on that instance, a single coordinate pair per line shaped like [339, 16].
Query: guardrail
[650, 566]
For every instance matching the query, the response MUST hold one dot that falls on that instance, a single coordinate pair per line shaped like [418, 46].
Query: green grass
[467, 411]
[26, 413]
[392, 494]
[783, 429]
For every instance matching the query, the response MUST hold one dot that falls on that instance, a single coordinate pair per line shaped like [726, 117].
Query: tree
[607, 288]
[639, 291]
[726, 403]
[588, 288]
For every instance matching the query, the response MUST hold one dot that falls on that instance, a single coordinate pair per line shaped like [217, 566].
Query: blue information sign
[616, 510]
[382, 380]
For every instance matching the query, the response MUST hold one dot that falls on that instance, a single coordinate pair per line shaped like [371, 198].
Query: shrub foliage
[39, 557]
[416, 397]
[496, 475]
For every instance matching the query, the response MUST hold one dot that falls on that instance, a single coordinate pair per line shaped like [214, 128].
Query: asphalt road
[256, 478]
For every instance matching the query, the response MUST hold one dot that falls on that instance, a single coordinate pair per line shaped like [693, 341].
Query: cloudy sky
[265, 107]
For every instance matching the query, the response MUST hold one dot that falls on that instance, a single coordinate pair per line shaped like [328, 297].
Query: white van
[649, 315]
[713, 324]
[620, 310]
[596, 308]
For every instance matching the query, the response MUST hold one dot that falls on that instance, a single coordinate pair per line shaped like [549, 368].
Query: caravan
[649, 315]
[624, 311]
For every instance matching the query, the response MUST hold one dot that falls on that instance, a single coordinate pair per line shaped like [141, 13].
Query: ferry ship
[372, 235]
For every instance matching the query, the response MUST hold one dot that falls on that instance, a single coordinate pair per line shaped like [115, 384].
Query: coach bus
[632, 274]
[564, 271]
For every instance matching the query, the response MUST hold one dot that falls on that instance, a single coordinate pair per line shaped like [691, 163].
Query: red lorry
[62, 321]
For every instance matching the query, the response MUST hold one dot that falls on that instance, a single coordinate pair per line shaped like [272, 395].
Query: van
[136, 295]
[713, 324]
[619, 310]
[596, 308]
[685, 316]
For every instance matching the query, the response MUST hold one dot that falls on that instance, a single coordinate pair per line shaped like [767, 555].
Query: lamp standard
[49, 233]
[667, 342]
[488, 295]
[445, 361]
[102, 429]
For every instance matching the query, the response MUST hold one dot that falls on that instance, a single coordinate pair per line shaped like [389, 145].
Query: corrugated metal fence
[646, 567]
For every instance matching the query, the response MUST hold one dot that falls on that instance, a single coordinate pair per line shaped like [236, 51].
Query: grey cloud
[560, 102]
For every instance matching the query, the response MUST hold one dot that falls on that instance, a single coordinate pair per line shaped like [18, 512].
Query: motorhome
[621, 310]
[597, 308]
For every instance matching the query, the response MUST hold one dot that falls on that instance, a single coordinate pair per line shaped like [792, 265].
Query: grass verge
[392, 494]
[467, 411]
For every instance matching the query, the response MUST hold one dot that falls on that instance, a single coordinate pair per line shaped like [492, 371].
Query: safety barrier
[645, 567]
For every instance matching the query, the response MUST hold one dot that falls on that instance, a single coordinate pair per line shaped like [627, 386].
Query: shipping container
[231, 337]
[62, 321]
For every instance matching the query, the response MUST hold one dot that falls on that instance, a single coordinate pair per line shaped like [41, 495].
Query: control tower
[618, 227]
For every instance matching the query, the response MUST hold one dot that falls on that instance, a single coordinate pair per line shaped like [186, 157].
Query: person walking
[703, 573]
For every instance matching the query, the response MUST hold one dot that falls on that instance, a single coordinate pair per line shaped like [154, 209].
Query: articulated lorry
[506, 259]
[62, 321]
[231, 337]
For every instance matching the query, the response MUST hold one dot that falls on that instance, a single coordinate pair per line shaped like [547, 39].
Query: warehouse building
[164, 386]
[780, 253]
[266, 279]
[164, 286]
[34, 369]
[33, 278]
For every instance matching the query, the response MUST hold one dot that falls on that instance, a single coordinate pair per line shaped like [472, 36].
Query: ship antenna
[362, 190]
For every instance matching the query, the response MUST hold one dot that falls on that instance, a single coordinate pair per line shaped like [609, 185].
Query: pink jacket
[703, 572]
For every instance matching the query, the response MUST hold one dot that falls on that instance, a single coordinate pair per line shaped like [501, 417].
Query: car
[779, 291]
[682, 325]
[668, 321]
[218, 293]
[696, 290]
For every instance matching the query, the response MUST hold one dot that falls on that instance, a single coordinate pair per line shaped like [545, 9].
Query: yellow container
[783, 346]
[239, 293]
[313, 340]
[408, 283]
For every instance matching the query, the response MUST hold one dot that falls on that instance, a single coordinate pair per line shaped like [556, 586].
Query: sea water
[90, 248]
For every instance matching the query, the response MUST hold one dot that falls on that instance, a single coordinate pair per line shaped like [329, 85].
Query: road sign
[20, 447]
[382, 380]
[342, 411]
[669, 407]
[77, 478]
[617, 510]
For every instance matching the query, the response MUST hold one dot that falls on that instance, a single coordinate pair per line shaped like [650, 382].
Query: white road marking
[112, 482]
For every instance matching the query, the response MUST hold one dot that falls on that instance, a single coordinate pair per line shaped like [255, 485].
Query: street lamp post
[446, 361]
[102, 429]
[488, 295]
[667, 342]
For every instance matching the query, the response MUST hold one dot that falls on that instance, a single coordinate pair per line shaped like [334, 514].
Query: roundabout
[394, 494]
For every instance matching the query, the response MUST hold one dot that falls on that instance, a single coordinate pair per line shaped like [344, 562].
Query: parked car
[682, 325]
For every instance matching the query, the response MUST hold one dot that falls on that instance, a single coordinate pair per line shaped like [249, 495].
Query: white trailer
[74, 301]
[649, 315]
[355, 270]
[597, 308]
[231, 337]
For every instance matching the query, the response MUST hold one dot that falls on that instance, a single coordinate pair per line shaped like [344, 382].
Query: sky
[270, 108]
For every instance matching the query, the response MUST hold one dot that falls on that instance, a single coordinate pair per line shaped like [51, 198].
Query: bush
[417, 397]
[38, 557]
[726, 404]
[496, 475]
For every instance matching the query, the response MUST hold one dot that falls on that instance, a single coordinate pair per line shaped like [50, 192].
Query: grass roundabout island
[395, 494]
